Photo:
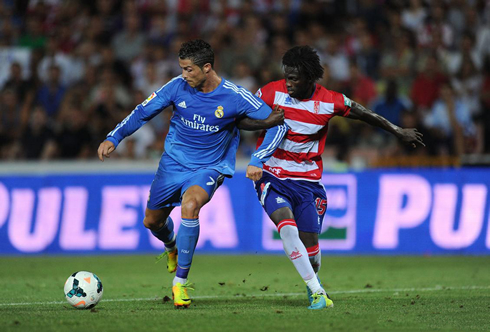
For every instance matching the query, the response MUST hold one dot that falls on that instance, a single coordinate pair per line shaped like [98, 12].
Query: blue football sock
[166, 233]
[186, 241]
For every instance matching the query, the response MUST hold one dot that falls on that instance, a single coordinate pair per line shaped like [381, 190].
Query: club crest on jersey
[316, 107]
[219, 112]
[153, 95]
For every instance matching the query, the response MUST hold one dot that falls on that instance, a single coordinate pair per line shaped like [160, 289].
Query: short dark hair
[198, 51]
[306, 60]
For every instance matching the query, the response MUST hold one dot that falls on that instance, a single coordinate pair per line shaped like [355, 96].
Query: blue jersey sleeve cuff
[254, 161]
[113, 140]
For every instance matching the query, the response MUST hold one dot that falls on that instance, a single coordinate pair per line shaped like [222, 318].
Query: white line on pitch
[353, 291]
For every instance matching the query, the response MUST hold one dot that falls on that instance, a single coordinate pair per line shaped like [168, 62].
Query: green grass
[251, 293]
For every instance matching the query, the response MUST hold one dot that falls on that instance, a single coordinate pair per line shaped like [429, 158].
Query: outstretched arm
[275, 118]
[408, 136]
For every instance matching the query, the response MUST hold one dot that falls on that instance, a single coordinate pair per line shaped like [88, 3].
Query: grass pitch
[251, 293]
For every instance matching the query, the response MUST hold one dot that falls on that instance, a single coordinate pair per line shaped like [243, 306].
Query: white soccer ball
[83, 290]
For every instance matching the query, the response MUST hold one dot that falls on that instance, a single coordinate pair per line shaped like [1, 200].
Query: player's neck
[211, 83]
[308, 93]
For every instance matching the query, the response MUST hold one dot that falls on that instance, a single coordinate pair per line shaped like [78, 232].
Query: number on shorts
[321, 205]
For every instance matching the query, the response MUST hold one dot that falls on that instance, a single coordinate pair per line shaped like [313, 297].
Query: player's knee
[281, 214]
[190, 208]
[151, 223]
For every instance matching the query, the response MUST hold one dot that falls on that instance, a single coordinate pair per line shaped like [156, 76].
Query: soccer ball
[83, 290]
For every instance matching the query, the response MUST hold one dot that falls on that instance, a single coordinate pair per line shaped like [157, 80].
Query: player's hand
[276, 117]
[254, 173]
[105, 149]
[411, 136]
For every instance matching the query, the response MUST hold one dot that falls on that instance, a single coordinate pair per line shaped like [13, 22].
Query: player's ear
[207, 68]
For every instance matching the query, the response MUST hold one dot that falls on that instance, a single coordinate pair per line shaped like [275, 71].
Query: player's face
[191, 73]
[298, 86]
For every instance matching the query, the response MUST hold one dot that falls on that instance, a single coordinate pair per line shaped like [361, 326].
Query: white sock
[296, 251]
[181, 280]
[315, 255]
[314, 285]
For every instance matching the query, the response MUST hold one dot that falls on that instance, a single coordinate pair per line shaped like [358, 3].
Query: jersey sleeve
[251, 106]
[145, 111]
[342, 104]
[266, 93]
[272, 139]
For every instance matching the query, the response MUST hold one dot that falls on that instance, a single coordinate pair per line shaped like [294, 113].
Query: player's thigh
[166, 189]
[307, 218]
[281, 214]
[199, 189]
[310, 207]
[274, 201]
[208, 179]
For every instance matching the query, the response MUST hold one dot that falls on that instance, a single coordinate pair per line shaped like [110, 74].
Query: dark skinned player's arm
[275, 118]
[407, 136]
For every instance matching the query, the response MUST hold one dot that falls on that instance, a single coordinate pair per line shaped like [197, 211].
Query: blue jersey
[202, 129]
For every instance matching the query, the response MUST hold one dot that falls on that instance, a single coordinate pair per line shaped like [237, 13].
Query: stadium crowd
[70, 70]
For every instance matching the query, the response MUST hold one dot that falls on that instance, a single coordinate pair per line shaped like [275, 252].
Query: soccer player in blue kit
[200, 150]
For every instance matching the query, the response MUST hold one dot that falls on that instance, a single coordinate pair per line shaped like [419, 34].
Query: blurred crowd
[70, 70]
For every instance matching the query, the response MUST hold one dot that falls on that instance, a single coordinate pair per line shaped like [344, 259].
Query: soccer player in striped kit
[290, 190]
[200, 150]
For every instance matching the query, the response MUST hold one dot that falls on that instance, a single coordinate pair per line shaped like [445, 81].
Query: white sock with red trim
[296, 251]
[315, 256]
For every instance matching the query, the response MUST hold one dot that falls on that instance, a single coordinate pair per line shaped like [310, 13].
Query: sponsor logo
[219, 112]
[182, 104]
[275, 170]
[198, 122]
[184, 251]
[153, 95]
[288, 101]
[295, 254]
[280, 200]
[210, 183]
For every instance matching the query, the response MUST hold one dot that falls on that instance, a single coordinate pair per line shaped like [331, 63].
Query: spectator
[363, 89]
[450, 123]
[10, 122]
[52, 92]
[391, 106]
[128, 43]
[242, 76]
[16, 83]
[38, 137]
[74, 138]
[425, 88]
[414, 16]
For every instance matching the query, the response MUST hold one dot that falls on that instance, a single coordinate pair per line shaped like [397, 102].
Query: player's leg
[197, 192]
[279, 208]
[310, 221]
[161, 226]
[192, 201]
[310, 240]
[294, 247]
[164, 196]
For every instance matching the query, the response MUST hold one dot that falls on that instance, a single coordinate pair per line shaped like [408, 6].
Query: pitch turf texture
[251, 293]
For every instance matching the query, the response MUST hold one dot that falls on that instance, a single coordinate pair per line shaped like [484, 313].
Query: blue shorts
[307, 200]
[172, 180]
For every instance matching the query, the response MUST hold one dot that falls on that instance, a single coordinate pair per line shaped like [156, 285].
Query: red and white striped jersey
[299, 156]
